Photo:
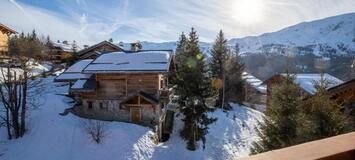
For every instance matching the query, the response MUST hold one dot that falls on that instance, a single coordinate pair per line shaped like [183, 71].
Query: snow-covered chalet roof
[64, 47]
[123, 62]
[307, 81]
[74, 72]
[84, 85]
[254, 82]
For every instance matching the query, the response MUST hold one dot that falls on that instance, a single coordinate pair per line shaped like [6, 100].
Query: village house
[5, 33]
[305, 82]
[59, 51]
[122, 86]
[94, 51]
[255, 91]
[344, 95]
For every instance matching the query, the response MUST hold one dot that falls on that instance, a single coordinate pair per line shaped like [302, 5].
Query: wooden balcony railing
[341, 147]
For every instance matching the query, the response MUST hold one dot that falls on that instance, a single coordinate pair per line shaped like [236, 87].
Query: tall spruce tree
[219, 56]
[323, 117]
[234, 83]
[279, 128]
[193, 87]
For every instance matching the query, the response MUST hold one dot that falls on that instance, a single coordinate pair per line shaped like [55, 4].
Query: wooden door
[135, 114]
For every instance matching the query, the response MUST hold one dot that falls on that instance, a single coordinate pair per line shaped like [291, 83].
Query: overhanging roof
[74, 72]
[85, 50]
[150, 98]
[157, 61]
[6, 29]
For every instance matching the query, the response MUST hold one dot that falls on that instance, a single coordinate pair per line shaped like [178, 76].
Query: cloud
[25, 18]
[89, 22]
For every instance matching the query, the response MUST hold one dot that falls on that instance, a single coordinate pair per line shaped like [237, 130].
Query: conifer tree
[280, 122]
[219, 56]
[226, 70]
[234, 83]
[323, 117]
[193, 87]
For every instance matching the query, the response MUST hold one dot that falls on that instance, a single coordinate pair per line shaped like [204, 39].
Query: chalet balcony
[339, 147]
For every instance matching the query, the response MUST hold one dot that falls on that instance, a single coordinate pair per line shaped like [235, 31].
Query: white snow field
[55, 137]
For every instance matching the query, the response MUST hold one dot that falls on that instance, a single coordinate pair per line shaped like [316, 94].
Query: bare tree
[18, 88]
[95, 129]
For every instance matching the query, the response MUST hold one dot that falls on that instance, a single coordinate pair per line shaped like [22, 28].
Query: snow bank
[56, 137]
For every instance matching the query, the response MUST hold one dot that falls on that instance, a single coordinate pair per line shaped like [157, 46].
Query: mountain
[335, 34]
[324, 37]
[204, 46]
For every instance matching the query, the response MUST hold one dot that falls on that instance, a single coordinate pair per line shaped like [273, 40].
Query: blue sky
[91, 21]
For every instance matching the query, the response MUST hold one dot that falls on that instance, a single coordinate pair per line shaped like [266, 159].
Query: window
[89, 104]
[103, 106]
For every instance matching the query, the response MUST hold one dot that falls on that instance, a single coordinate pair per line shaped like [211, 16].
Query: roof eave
[125, 71]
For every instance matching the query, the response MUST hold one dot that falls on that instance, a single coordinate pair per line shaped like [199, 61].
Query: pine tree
[219, 56]
[323, 117]
[193, 87]
[234, 83]
[280, 122]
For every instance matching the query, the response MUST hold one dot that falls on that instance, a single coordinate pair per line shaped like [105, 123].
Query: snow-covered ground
[56, 137]
[35, 69]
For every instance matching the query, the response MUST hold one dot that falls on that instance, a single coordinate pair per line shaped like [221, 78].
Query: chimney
[136, 46]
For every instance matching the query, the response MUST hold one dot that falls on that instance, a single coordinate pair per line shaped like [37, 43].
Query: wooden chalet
[255, 90]
[305, 82]
[60, 51]
[122, 86]
[5, 33]
[94, 51]
[344, 95]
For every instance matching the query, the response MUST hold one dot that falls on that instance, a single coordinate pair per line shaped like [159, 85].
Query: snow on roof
[74, 72]
[79, 84]
[307, 81]
[78, 66]
[131, 61]
[254, 82]
[72, 76]
[64, 47]
[84, 85]
[88, 49]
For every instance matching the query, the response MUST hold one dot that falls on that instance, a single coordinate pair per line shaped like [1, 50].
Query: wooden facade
[344, 95]
[60, 51]
[270, 83]
[123, 86]
[5, 32]
[133, 98]
[58, 55]
[94, 51]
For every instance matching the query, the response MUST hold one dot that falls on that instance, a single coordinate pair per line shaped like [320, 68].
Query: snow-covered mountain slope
[337, 32]
[205, 47]
[332, 35]
[55, 137]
